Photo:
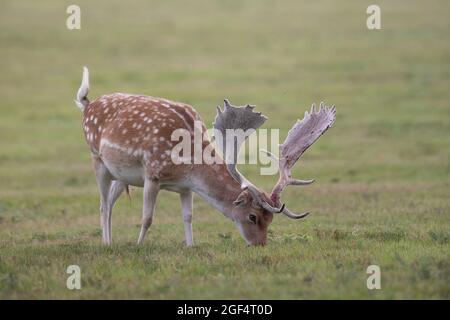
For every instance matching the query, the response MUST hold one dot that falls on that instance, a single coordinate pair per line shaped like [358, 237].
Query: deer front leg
[151, 189]
[186, 209]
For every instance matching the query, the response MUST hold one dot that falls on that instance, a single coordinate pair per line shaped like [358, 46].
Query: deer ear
[241, 199]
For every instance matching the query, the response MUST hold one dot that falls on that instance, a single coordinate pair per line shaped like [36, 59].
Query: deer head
[253, 209]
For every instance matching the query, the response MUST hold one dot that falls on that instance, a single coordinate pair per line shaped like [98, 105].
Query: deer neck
[214, 184]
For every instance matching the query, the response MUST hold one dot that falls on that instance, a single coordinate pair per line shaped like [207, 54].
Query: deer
[129, 137]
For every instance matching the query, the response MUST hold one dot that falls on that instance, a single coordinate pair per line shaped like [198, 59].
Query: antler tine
[292, 215]
[301, 136]
[297, 182]
[226, 104]
[245, 119]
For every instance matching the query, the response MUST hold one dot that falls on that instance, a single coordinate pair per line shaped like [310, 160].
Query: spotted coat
[131, 129]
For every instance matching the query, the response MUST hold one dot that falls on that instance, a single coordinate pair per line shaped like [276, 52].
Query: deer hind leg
[151, 189]
[116, 189]
[104, 180]
[186, 209]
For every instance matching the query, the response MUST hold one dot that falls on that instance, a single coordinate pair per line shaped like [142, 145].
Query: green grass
[383, 172]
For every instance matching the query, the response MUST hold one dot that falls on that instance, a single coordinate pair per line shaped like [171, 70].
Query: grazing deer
[129, 137]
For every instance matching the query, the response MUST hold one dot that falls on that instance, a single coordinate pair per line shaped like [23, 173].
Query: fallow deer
[129, 137]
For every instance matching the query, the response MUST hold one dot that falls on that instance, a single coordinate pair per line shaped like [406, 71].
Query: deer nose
[259, 243]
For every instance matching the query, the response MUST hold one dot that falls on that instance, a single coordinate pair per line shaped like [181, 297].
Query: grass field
[382, 194]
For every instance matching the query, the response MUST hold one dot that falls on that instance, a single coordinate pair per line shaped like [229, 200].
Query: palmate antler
[302, 135]
[235, 124]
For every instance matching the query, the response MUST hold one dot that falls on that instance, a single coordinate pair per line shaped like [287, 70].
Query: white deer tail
[82, 100]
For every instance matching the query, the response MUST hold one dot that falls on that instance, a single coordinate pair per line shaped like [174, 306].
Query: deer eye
[252, 218]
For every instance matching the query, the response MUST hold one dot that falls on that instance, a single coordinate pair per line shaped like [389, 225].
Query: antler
[302, 135]
[235, 124]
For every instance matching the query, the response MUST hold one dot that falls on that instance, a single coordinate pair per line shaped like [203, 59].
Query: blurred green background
[382, 190]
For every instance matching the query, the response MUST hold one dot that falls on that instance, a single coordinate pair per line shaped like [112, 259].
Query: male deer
[129, 137]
